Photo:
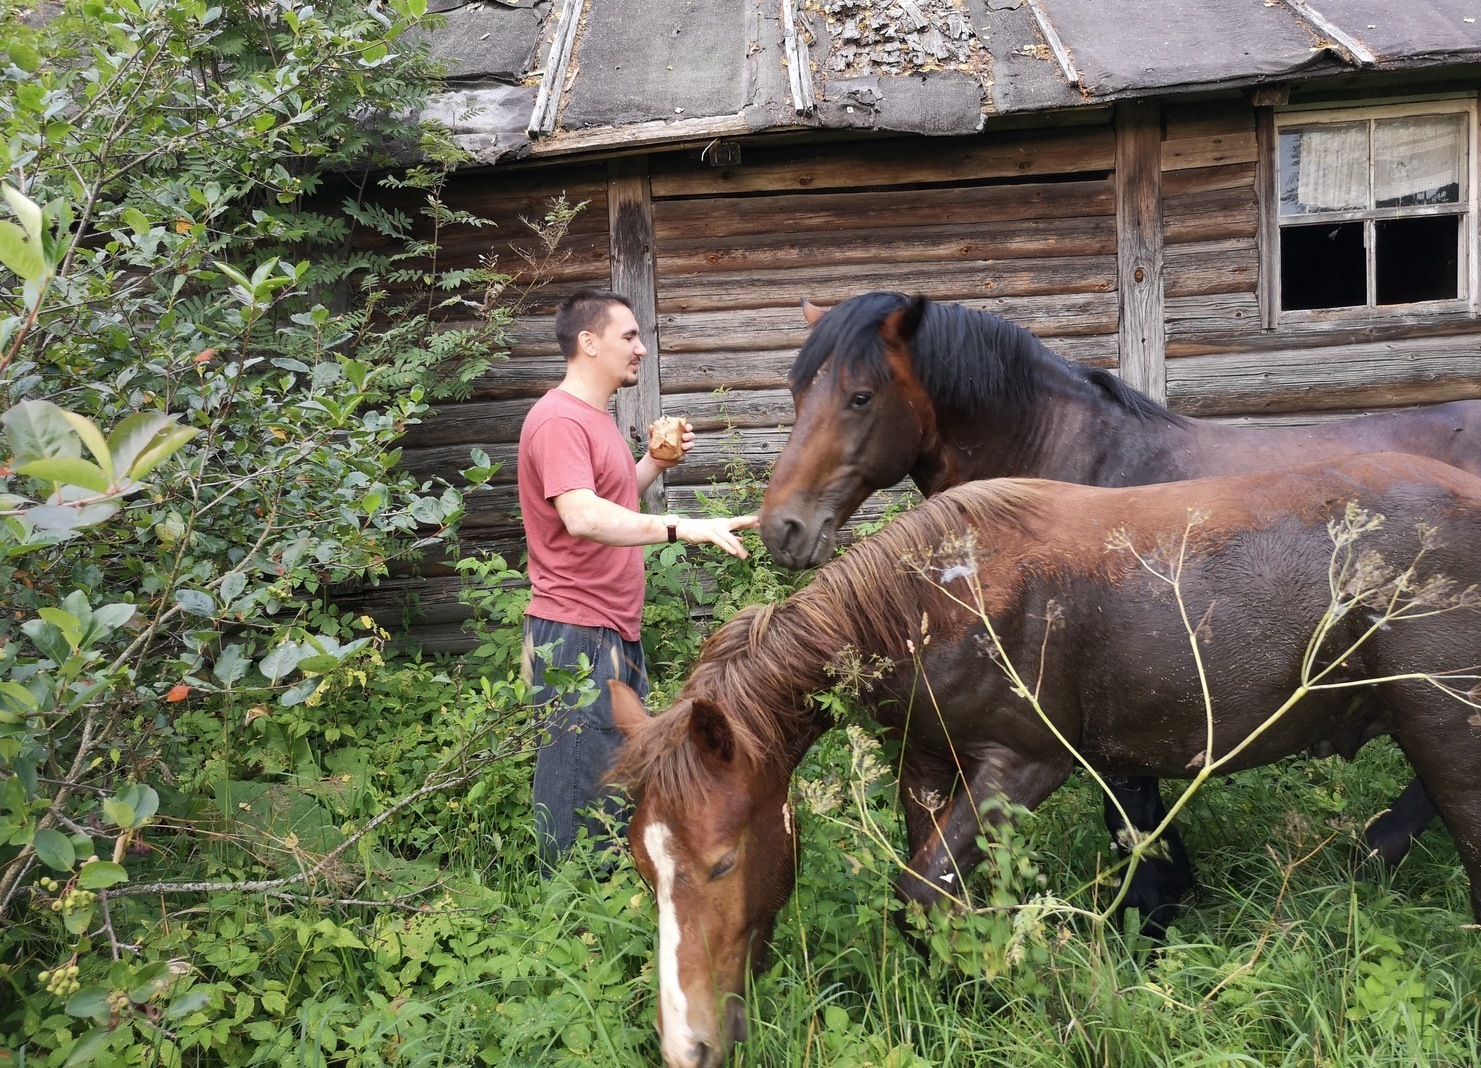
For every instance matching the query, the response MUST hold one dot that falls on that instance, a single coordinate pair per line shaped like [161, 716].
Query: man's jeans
[576, 755]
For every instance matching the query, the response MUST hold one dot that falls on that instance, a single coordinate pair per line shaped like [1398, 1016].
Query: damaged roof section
[551, 77]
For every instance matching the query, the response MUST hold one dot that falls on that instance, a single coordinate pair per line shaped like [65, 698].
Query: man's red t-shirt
[567, 444]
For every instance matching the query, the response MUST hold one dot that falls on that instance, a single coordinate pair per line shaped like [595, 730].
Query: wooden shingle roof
[553, 77]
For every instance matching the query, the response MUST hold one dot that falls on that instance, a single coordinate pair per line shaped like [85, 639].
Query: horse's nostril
[735, 1021]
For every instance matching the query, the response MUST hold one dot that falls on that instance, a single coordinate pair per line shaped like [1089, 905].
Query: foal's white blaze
[673, 1006]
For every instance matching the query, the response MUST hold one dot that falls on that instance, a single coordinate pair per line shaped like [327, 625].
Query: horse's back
[1256, 558]
[1448, 432]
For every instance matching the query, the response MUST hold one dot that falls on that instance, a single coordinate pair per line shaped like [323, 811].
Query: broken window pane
[1417, 259]
[1323, 266]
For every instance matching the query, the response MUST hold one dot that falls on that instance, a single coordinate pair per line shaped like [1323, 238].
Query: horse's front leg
[1162, 877]
[1391, 834]
[944, 832]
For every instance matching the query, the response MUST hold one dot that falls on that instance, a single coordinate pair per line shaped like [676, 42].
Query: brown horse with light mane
[888, 387]
[1074, 582]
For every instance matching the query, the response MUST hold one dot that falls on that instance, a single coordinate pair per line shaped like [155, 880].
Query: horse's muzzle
[795, 544]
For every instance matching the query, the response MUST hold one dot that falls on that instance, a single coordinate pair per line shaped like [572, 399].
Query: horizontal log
[578, 260]
[470, 423]
[1234, 146]
[421, 600]
[770, 329]
[719, 218]
[1210, 215]
[708, 370]
[1206, 325]
[447, 461]
[1207, 118]
[488, 192]
[893, 162]
[1199, 268]
[1210, 323]
[1372, 374]
[1196, 181]
[520, 378]
[1006, 280]
[963, 243]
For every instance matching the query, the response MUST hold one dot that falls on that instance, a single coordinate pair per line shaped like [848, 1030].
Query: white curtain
[1418, 158]
[1332, 167]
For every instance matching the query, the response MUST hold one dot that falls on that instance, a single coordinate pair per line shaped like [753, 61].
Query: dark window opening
[1323, 266]
[1417, 259]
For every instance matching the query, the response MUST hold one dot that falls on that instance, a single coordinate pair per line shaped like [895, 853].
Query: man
[578, 491]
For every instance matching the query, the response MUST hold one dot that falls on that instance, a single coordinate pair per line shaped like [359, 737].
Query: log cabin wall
[1131, 240]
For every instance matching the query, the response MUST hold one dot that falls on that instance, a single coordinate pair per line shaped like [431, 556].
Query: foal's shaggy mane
[967, 360]
[759, 668]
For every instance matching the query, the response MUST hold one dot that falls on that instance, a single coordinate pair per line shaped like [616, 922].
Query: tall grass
[1283, 958]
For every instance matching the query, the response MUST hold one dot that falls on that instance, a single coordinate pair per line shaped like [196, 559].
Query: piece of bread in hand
[666, 439]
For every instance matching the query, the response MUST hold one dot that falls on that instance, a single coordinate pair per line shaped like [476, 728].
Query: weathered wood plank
[1210, 215]
[633, 277]
[1372, 374]
[1211, 151]
[1198, 268]
[1208, 132]
[883, 163]
[725, 217]
[1223, 321]
[938, 244]
[527, 376]
[470, 423]
[1206, 325]
[705, 371]
[1069, 276]
[1197, 181]
[445, 461]
[1139, 245]
[1204, 118]
[771, 329]
[1267, 199]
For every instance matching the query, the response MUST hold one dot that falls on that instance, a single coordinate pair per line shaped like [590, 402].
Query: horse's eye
[722, 869]
[860, 399]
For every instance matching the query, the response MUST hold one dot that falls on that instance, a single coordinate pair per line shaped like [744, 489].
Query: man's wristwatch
[672, 522]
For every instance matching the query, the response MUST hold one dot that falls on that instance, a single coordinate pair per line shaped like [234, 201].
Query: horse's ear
[628, 713]
[711, 731]
[900, 326]
[811, 312]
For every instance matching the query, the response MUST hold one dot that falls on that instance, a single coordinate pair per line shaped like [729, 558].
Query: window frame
[1273, 222]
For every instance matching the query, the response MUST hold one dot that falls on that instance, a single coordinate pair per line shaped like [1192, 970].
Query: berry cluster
[72, 899]
[62, 982]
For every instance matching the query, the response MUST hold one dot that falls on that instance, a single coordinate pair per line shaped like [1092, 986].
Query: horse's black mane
[968, 360]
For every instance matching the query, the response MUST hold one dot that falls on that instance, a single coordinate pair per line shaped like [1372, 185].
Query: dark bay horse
[887, 386]
[1073, 580]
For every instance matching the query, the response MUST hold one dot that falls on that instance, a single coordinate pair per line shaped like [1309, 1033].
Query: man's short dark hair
[585, 309]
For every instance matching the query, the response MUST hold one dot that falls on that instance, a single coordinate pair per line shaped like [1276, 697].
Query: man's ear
[628, 713]
[811, 312]
[711, 731]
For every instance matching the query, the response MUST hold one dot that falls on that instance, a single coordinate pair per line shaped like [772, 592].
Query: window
[1376, 206]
